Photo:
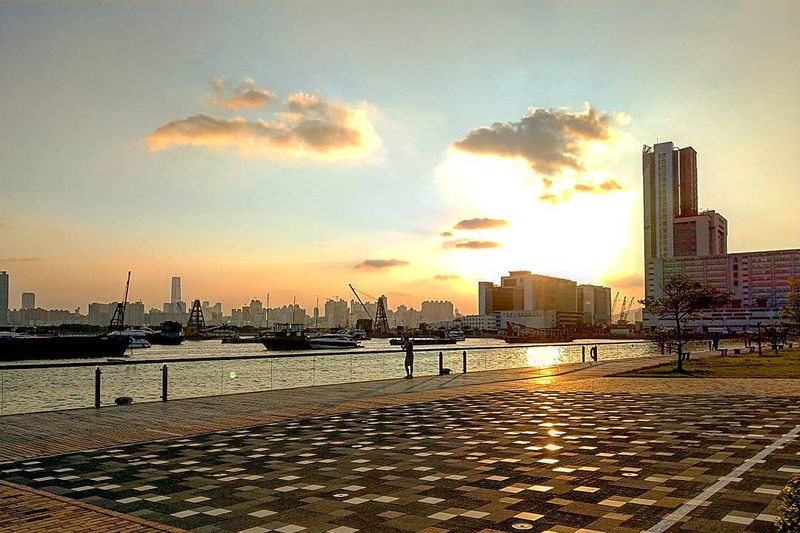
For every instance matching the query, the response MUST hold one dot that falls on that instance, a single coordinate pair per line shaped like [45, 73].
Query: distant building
[28, 300]
[595, 303]
[523, 291]
[176, 290]
[679, 240]
[336, 313]
[480, 322]
[3, 297]
[436, 311]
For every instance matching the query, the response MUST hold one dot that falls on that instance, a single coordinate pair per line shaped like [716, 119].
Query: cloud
[381, 263]
[5, 225]
[609, 185]
[626, 283]
[308, 127]
[549, 140]
[446, 234]
[21, 260]
[471, 245]
[481, 223]
[446, 277]
[245, 96]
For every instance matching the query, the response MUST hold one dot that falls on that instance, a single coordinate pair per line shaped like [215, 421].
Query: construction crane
[380, 321]
[622, 309]
[118, 320]
[614, 305]
[623, 318]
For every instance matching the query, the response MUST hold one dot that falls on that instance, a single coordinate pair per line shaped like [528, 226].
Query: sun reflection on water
[539, 356]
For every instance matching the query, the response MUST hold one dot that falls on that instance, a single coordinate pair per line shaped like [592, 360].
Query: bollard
[709, 346]
[583, 354]
[593, 352]
[164, 383]
[441, 363]
[464, 356]
[97, 373]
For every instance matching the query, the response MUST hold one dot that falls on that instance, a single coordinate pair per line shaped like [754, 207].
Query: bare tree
[791, 311]
[682, 300]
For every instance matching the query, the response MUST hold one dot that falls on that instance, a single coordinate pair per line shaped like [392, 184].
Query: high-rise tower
[176, 290]
[3, 297]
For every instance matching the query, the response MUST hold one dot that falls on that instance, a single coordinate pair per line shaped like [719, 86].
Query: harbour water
[43, 389]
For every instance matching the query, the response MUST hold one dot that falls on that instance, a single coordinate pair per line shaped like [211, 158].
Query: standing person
[408, 346]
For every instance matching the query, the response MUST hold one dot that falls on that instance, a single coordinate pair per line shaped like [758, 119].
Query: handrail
[310, 353]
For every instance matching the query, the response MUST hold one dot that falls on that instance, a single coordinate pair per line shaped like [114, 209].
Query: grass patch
[784, 365]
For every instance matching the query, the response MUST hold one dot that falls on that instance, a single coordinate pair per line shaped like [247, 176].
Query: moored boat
[23, 347]
[171, 333]
[423, 341]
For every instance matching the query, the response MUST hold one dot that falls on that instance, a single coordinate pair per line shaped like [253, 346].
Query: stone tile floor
[505, 461]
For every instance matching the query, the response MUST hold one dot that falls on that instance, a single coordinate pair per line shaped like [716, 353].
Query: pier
[563, 448]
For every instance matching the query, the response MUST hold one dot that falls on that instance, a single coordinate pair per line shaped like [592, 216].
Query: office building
[28, 300]
[679, 240]
[436, 311]
[523, 291]
[3, 297]
[336, 313]
[176, 290]
[595, 303]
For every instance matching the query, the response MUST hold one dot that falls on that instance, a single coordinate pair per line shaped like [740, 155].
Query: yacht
[137, 337]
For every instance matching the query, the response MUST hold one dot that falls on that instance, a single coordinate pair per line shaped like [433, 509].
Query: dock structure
[500, 450]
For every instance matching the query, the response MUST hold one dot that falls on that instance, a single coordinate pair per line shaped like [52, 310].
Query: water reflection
[538, 356]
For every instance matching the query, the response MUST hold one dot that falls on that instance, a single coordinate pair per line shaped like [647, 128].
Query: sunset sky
[411, 149]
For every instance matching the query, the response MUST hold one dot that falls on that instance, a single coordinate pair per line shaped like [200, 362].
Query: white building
[481, 322]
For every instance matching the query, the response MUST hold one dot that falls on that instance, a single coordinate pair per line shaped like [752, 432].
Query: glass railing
[31, 387]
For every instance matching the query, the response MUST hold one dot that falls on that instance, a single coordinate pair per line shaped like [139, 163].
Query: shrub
[789, 511]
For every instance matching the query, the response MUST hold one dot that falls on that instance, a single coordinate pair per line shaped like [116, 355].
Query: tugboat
[290, 337]
[170, 333]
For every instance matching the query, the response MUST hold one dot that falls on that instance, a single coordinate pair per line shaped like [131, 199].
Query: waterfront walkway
[561, 449]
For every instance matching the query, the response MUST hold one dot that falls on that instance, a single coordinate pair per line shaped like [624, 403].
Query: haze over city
[291, 149]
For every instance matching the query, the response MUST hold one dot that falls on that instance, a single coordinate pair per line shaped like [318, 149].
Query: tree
[791, 311]
[682, 300]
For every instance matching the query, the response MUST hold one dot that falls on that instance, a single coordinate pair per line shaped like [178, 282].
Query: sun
[580, 237]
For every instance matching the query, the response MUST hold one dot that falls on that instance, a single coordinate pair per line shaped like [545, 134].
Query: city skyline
[406, 171]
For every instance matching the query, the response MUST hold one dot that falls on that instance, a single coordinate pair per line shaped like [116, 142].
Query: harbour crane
[625, 311]
[622, 309]
[614, 305]
[118, 320]
[381, 323]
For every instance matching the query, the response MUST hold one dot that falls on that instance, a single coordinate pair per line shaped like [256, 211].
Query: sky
[411, 149]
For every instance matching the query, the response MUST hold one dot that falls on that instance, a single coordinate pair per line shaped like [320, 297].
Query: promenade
[561, 449]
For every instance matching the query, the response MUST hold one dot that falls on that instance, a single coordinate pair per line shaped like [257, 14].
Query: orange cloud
[311, 127]
[446, 234]
[243, 97]
[446, 277]
[21, 260]
[481, 223]
[381, 263]
[604, 187]
[471, 245]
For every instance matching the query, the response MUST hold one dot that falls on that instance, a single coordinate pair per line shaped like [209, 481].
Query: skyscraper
[176, 290]
[28, 300]
[670, 192]
[3, 297]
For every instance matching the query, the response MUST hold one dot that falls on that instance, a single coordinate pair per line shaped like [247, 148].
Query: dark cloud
[471, 245]
[481, 223]
[446, 234]
[446, 277]
[604, 187]
[550, 140]
[381, 263]
[21, 260]
[310, 126]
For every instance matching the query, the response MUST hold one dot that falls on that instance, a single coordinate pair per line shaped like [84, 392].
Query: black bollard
[593, 352]
[164, 383]
[464, 356]
[441, 363]
[583, 354]
[97, 373]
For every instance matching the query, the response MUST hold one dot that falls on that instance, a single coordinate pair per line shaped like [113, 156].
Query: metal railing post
[583, 354]
[464, 355]
[164, 383]
[441, 363]
[97, 373]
